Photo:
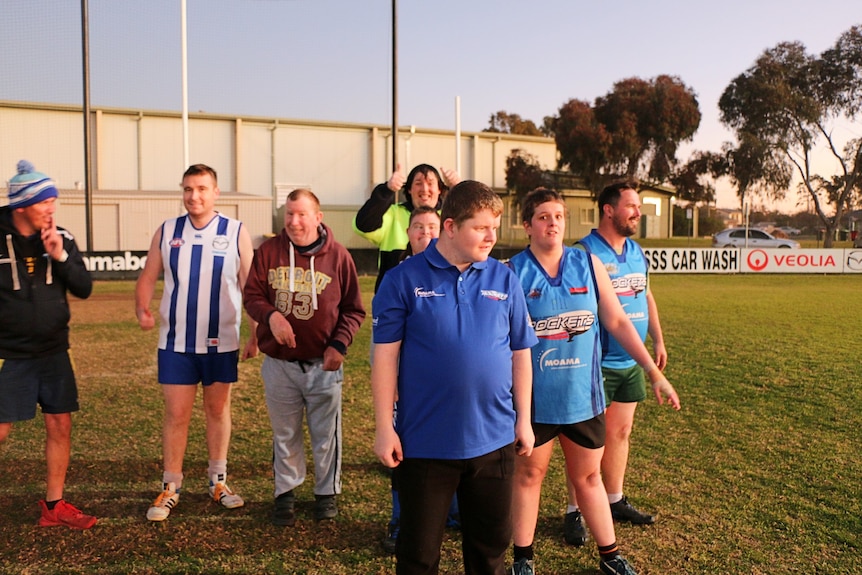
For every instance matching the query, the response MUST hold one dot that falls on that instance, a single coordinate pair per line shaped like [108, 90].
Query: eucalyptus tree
[633, 131]
[788, 112]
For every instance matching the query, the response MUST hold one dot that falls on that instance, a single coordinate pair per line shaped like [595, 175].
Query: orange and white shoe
[222, 494]
[163, 504]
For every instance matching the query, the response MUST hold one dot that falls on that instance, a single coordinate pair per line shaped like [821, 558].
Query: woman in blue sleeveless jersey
[568, 293]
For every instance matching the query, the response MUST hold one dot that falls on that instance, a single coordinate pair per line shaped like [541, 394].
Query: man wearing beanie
[39, 263]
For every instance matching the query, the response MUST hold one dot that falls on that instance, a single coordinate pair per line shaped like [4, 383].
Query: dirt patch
[103, 308]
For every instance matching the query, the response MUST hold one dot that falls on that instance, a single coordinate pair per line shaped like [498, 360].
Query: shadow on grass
[119, 492]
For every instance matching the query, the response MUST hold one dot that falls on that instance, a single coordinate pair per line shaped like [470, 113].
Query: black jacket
[34, 311]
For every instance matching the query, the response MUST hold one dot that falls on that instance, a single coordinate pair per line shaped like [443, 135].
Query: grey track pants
[291, 389]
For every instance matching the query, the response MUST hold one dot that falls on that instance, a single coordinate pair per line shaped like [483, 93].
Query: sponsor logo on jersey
[494, 295]
[177, 242]
[567, 325]
[422, 292]
[221, 243]
[549, 363]
[629, 285]
[578, 290]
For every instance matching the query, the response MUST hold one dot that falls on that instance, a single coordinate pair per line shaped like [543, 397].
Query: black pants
[484, 488]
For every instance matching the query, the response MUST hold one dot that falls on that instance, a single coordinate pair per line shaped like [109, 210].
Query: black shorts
[589, 433]
[46, 381]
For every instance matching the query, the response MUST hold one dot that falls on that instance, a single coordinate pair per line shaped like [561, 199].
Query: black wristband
[338, 346]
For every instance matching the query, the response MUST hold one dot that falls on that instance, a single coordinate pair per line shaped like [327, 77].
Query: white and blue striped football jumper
[201, 308]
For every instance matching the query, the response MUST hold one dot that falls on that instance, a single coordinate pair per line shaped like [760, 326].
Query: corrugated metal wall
[137, 165]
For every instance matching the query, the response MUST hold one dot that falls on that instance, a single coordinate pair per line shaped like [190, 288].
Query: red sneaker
[65, 514]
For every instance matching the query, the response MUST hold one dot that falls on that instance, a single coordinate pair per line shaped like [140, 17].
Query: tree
[505, 123]
[633, 131]
[754, 168]
[648, 120]
[523, 173]
[708, 221]
[582, 142]
[784, 111]
[690, 180]
[751, 168]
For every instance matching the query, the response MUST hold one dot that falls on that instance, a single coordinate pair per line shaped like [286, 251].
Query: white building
[137, 164]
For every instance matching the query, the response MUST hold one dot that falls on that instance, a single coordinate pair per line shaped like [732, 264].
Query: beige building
[137, 163]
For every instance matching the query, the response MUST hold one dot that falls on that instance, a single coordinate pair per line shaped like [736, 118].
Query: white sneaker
[163, 504]
[222, 494]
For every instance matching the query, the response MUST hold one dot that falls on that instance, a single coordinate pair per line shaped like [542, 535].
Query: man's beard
[626, 228]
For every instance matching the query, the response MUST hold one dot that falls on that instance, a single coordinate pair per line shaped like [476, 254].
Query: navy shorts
[191, 368]
[46, 381]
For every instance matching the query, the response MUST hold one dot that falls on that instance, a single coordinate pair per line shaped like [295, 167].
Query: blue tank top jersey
[567, 379]
[628, 272]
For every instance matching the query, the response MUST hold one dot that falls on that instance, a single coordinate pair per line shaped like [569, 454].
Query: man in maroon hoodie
[304, 293]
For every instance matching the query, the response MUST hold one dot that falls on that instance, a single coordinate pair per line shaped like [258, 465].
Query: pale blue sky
[331, 59]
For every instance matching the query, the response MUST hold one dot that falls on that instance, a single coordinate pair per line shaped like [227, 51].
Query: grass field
[760, 472]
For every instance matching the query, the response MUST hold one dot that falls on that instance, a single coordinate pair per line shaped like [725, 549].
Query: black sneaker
[616, 566]
[283, 514]
[325, 507]
[622, 511]
[523, 567]
[391, 536]
[574, 530]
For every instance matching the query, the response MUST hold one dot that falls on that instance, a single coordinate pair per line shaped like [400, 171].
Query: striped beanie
[30, 187]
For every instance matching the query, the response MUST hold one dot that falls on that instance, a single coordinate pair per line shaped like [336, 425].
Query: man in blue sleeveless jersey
[205, 257]
[619, 208]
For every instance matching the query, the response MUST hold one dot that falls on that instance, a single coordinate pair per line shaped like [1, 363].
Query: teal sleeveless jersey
[628, 272]
[567, 379]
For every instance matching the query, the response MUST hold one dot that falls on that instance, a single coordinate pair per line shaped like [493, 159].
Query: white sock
[614, 498]
[571, 509]
[218, 467]
[171, 477]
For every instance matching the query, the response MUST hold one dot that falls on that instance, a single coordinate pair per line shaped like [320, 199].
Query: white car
[735, 238]
[790, 231]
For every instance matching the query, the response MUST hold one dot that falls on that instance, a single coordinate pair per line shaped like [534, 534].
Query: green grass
[759, 473]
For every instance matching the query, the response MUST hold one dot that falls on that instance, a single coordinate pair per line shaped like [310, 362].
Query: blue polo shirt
[457, 332]
[628, 272]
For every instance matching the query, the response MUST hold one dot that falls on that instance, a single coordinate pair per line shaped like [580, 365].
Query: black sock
[51, 504]
[523, 552]
[609, 551]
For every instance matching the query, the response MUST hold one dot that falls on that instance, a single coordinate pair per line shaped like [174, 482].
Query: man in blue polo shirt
[452, 346]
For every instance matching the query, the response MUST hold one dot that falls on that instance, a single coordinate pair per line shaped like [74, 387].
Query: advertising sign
[693, 260]
[753, 260]
[790, 261]
[853, 261]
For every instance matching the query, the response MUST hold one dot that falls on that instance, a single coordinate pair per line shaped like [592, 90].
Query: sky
[331, 60]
